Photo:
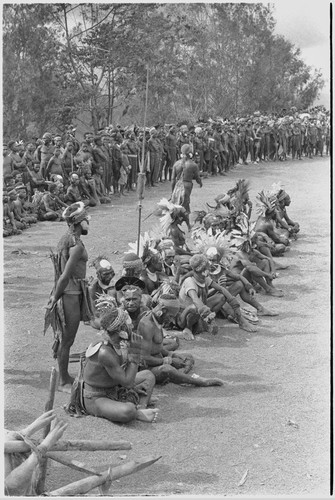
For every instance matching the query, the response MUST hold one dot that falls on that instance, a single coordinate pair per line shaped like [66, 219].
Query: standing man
[7, 162]
[69, 301]
[47, 150]
[190, 173]
[154, 147]
[171, 151]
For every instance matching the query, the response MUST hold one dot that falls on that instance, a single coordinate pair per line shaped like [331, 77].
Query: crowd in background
[43, 176]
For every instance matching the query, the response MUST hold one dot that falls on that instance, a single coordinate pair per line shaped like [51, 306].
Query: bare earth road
[207, 437]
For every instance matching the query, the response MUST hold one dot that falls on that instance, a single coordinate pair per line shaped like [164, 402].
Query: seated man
[245, 262]
[50, 206]
[101, 285]
[133, 304]
[72, 193]
[111, 386]
[167, 367]
[174, 265]
[22, 213]
[8, 220]
[12, 208]
[265, 224]
[126, 283]
[194, 293]
[284, 201]
[262, 243]
[152, 274]
[98, 172]
[235, 283]
[87, 186]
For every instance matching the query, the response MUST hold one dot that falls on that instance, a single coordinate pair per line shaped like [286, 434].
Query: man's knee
[236, 288]
[149, 378]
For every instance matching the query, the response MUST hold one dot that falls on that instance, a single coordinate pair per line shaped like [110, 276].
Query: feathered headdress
[240, 196]
[147, 248]
[219, 242]
[242, 233]
[275, 188]
[167, 213]
[267, 203]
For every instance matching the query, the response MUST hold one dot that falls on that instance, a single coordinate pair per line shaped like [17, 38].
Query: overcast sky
[306, 24]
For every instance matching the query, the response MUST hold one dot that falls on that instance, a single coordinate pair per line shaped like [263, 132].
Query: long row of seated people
[172, 289]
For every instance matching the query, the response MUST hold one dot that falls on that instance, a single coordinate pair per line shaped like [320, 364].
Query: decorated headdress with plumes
[242, 233]
[274, 190]
[147, 248]
[277, 191]
[267, 203]
[240, 196]
[203, 241]
[168, 212]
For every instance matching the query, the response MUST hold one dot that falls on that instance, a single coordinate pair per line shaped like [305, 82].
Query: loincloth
[116, 393]
[56, 317]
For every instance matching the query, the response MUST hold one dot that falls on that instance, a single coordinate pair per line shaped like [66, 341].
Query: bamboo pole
[70, 445]
[48, 406]
[142, 174]
[85, 485]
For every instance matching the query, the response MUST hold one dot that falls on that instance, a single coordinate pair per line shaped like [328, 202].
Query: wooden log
[48, 406]
[85, 485]
[71, 445]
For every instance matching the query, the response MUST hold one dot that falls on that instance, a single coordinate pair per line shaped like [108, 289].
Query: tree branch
[92, 27]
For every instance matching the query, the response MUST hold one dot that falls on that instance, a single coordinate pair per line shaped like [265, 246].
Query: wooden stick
[85, 485]
[73, 464]
[73, 445]
[48, 406]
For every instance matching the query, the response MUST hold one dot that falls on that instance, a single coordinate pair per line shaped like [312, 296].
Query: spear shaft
[141, 175]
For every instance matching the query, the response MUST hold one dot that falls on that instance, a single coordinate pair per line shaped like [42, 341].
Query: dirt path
[207, 437]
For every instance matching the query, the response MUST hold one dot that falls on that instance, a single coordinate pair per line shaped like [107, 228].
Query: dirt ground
[207, 437]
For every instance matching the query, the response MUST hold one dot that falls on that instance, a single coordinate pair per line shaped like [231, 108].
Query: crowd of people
[171, 287]
[44, 176]
[188, 271]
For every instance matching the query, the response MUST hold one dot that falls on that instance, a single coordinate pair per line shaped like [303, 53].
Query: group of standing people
[43, 176]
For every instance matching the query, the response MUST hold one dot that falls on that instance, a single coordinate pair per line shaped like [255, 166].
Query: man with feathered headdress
[265, 223]
[171, 218]
[236, 284]
[248, 261]
[282, 218]
[208, 295]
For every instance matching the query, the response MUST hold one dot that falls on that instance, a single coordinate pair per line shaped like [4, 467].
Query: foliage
[63, 61]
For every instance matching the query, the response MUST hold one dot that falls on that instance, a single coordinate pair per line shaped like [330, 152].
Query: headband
[120, 319]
